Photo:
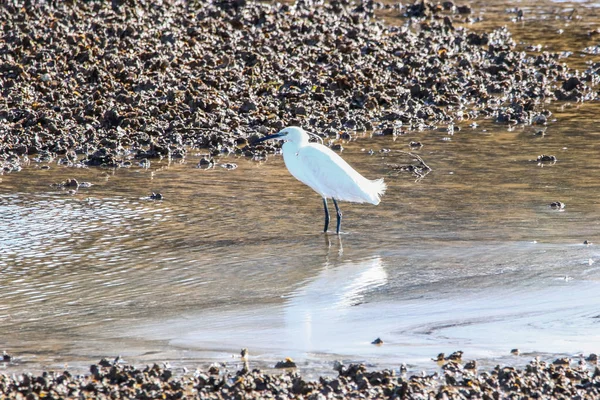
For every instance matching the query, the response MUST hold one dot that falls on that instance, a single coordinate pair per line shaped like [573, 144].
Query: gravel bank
[557, 380]
[105, 83]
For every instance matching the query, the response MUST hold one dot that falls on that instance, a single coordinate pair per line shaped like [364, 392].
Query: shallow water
[469, 258]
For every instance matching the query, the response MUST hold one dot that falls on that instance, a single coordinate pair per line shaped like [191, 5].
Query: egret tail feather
[377, 189]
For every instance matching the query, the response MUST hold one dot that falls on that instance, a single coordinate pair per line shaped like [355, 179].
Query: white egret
[325, 172]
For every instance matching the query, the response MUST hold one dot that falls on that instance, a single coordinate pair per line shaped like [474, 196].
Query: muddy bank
[106, 83]
[115, 380]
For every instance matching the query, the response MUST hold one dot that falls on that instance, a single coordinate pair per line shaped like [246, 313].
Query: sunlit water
[470, 258]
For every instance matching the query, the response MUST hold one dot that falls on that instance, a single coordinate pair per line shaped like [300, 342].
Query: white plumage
[324, 171]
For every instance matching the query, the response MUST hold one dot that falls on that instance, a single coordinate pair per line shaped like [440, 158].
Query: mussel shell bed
[116, 379]
[99, 83]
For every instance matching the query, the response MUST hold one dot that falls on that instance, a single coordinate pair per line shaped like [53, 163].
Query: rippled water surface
[469, 258]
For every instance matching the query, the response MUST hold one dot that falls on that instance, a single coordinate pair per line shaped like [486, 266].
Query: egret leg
[339, 217]
[326, 215]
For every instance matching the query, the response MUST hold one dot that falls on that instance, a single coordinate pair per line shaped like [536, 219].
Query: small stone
[71, 183]
[205, 163]
[229, 166]
[562, 361]
[247, 107]
[456, 356]
[287, 363]
[448, 5]
[546, 158]
[572, 83]
[338, 366]
[240, 143]
[540, 120]
[301, 110]
[452, 366]
[105, 363]
[464, 9]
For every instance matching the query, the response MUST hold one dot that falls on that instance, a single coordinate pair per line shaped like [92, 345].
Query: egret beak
[276, 136]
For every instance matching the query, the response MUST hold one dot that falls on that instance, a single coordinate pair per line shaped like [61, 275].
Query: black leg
[339, 217]
[326, 215]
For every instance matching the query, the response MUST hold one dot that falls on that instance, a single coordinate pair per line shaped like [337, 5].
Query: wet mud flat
[456, 380]
[109, 83]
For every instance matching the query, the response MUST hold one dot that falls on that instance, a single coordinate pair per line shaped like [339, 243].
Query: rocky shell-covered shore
[108, 82]
[113, 380]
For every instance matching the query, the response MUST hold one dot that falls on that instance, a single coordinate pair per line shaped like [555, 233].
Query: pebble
[68, 183]
[545, 158]
[287, 363]
[456, 356]
[229, 166]
[562, 361]
[205, 163]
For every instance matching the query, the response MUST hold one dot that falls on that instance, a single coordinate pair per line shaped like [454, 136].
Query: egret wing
[332, 177]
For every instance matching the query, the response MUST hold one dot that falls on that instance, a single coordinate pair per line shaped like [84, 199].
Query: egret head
[292, 134]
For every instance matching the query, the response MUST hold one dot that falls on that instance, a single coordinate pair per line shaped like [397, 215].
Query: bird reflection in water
[322, 313]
